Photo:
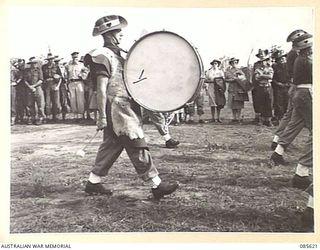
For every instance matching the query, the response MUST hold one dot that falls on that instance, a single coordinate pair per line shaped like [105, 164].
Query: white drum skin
[163, 71]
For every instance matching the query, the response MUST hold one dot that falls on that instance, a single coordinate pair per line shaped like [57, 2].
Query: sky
[215, 32]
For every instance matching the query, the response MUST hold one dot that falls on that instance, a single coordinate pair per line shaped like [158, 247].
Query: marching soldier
[120, 116]
[291, 56]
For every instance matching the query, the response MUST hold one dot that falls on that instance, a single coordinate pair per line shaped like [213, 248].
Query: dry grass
[226, 183]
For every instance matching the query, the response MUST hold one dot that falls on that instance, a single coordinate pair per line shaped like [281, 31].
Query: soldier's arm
[102, 84]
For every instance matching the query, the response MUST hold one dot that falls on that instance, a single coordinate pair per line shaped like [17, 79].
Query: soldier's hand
[56, 88]
[101, 123]
[33, 89]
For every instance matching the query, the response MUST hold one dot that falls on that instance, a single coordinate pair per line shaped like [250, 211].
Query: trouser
[64, 98]
[280, 104]
[110, 150]
[159, 120]
[254, 101]
[263, 95]
[199, 102]
[36, 103]
[22, 101]
[301, 117]
[77, 100]
[13, 101]
[52, 99]
[287, 116]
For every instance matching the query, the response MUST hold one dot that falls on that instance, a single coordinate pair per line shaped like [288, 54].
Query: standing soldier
[21, 94]
[62, 87]
[255, 101]
[263, 76]
[51, 89]
[291, 56]
[280, 85]
[33, 79]
[76, 86]
[14, 77]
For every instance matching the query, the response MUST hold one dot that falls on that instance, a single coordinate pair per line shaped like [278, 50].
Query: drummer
[119, 116]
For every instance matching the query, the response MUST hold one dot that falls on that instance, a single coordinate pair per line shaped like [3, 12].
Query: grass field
[226, 182]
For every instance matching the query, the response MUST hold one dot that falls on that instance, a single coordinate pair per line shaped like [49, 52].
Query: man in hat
[291, 56]
[75, 76]
[52, 95]
[215, 89]
[21, 94]
[255, 101]
[263, 76]
[280, 85]
[62, 86]
[120, 116]
[302, 117]
[14, 78]
[33, 79]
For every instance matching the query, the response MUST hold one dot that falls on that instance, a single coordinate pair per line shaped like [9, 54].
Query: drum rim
[201, 68]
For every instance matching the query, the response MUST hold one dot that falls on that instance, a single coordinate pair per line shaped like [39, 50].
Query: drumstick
[141, 74]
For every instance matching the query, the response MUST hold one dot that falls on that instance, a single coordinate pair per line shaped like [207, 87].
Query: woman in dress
[215, 89]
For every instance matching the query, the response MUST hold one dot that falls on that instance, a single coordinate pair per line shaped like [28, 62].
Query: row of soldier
[41, 92]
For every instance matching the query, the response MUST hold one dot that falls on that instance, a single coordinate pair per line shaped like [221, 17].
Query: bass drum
[163, 71]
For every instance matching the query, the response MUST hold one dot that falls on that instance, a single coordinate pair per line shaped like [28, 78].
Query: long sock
[156, 181]
[93, 178]
[302, 170]
[279, 149]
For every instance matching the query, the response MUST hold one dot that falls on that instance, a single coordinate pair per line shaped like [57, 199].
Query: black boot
[164, 189]
[278, 159]
[274, 145]
[96, 188]
[172, 143]
[301, 182]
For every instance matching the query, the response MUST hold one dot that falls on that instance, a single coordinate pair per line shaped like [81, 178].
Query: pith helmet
[108, 23]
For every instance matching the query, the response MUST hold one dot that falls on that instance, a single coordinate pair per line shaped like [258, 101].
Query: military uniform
[35, 99]
[124, 124]
[76, 86]
[291, 56]
[263, 76]
[280, 85]
[52, 93]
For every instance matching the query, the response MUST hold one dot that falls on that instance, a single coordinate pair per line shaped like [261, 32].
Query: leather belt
[75, 80]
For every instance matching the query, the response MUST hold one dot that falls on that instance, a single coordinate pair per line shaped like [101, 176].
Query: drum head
[162, 71]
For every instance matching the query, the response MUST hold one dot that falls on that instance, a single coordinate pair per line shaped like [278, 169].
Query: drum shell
[195, 86]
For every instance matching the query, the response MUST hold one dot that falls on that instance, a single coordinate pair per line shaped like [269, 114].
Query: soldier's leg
[56, 106]
[13, 105]
[48, 105]
[80, 98]
[200, 104]
[73, 101]
[108, 153]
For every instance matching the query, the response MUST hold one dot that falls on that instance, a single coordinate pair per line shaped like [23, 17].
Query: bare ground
[226, 182]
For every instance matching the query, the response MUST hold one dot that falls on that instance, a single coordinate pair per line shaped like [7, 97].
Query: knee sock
[156, 181]
[94, 179]
[302, 170]
[279, 149]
